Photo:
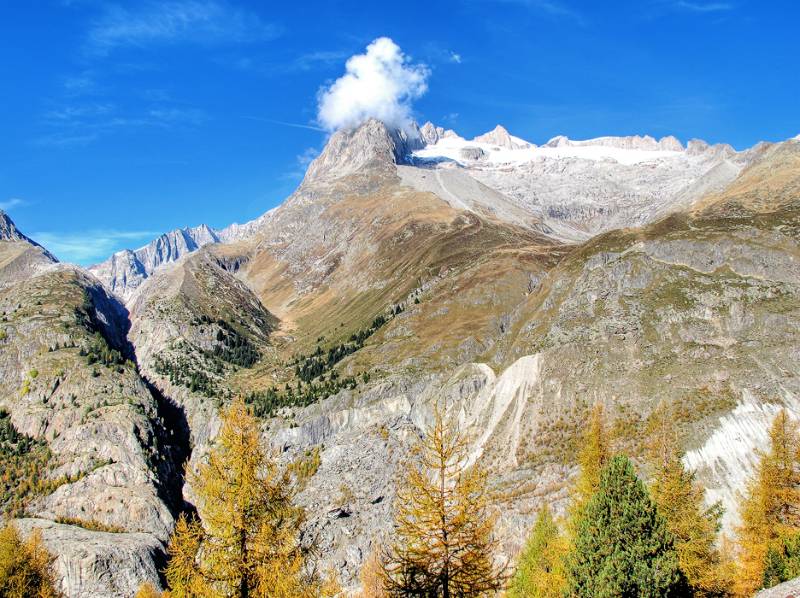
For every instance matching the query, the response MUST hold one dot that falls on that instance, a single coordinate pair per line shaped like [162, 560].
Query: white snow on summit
[460, 150]
[576, 189]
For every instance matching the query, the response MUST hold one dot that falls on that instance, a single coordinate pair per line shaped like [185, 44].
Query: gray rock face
[124, 271]
[789, 589]
[472, 153]
[371, 145]
[115, 448]
[581, 197]
[9, 231]
[430, 133]
[98, 564]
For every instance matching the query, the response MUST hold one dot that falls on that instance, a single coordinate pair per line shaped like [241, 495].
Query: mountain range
[516, 284]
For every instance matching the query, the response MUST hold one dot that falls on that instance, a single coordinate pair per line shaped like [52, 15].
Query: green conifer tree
[622, 546]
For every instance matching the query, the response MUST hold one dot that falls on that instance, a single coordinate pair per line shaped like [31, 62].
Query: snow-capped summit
[431, 134]
[498, 148]
[630, 142]
[501, 137]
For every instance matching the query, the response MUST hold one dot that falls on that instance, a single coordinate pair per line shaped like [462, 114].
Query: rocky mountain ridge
[459, 289]
[549, 187]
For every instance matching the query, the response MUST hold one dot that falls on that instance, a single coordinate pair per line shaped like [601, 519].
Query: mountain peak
[9, 230]
[370, 145]
[127, 269]
[501, 137]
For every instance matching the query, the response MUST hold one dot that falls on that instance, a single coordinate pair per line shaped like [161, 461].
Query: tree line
[619, 536]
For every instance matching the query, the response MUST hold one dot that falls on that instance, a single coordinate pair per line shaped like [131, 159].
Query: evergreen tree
[540, 570]
[26, 567]
[680, 500]
[444, 530]
[782, 562]
[248, 541]
[594, 455]
[622, 546]
[770, 508]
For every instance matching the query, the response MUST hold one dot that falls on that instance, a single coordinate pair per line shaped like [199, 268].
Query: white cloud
[382, 84]
[307, 157]
[12, 202]
[553, 8]
[81, 124]
[209, 21]
[89, 246]
[703, 7]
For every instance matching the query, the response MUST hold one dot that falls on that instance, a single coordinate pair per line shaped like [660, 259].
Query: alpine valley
[516, 284]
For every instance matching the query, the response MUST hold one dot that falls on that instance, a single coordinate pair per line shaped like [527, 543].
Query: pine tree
[444, 530]
[247, 542]
[770, 508]
[540, 570]
[594, 455]
[26, 567]
[680, 500]
[622, 546]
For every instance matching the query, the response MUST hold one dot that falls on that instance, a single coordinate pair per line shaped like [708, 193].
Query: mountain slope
[106, 451]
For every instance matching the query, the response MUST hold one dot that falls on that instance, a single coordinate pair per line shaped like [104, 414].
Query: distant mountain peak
[124, 271]
[501, 137]
[431, 134]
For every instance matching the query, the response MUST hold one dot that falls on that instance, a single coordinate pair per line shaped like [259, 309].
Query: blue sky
[119, 121]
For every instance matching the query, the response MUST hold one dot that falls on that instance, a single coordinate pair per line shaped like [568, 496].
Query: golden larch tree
[444, 542]
[26, 567]
[679, 499]
[770, 507]
[247, 540]
[593, 456]
[148, 590]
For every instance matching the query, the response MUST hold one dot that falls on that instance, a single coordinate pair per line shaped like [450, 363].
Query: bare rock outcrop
[92, 564]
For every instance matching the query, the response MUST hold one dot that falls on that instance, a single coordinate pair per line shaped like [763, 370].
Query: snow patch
[449, 148]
